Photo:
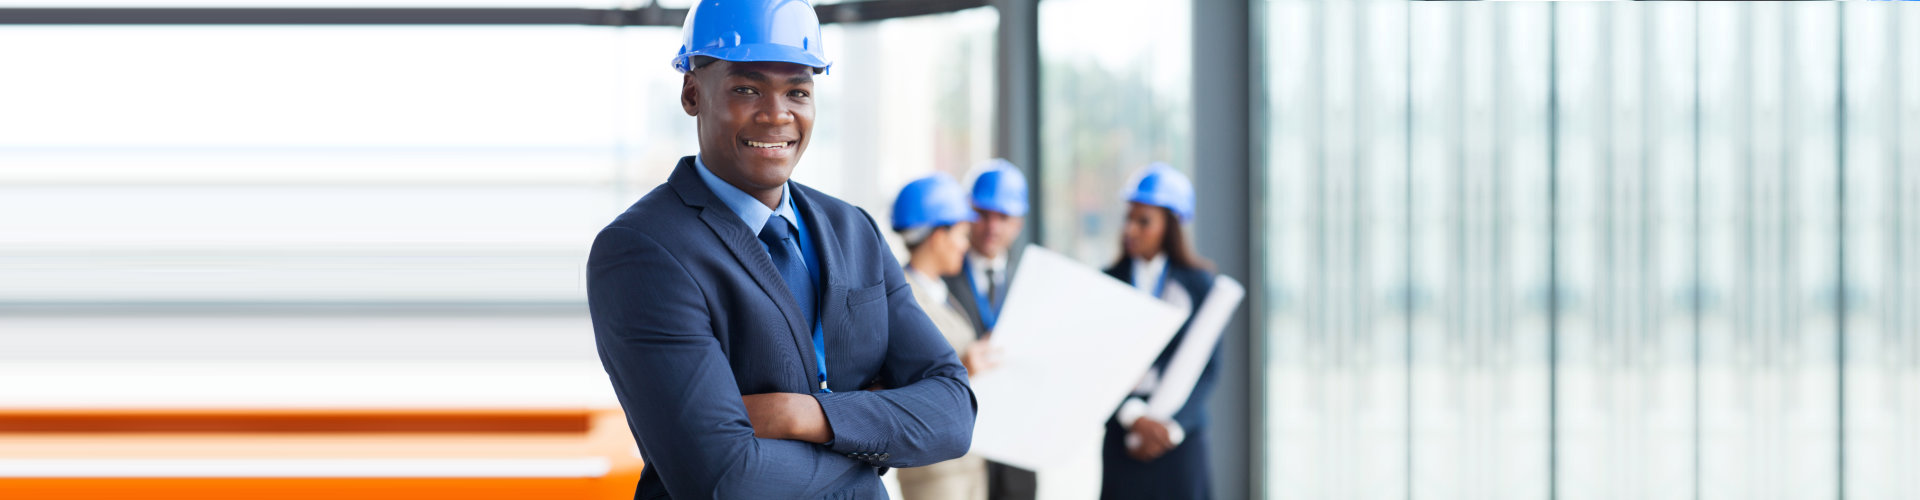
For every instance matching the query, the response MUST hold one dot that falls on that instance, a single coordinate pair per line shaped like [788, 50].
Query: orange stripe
[295, 421]
[495, 432]
[303, 489]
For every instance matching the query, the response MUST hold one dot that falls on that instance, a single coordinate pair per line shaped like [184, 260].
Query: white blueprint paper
[1073, 342]
[1190, 359]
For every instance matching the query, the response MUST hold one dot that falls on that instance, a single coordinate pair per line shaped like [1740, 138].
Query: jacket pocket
[865, 333]
[863, 295]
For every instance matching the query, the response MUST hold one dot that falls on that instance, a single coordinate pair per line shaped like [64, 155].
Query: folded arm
[656, 342]
[925, 415]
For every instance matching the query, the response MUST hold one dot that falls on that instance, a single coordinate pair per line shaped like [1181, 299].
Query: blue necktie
[785, 251]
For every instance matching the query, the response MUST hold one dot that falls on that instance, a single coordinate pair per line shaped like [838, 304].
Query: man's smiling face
[754, 118]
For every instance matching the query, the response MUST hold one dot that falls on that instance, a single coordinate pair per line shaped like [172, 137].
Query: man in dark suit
[999, 197]
[759, 333]
[1000, 200]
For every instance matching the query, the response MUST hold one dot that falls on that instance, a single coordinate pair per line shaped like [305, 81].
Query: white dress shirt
[980, 264]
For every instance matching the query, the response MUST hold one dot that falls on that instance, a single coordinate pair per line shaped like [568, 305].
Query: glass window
[240, 164]
[406, 164]
[1586, 250]
[1115, 95]
[1882, 252]
[906, 97]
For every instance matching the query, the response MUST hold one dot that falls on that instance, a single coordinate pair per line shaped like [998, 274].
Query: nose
[773, 111]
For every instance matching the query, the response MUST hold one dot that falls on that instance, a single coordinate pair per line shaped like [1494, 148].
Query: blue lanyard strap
[1160, 288]
[988, 316]
[820, 353]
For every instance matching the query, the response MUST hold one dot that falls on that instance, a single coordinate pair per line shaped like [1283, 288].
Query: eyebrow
[762, 77]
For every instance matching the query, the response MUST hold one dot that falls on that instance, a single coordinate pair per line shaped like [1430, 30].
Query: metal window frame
[652, 15]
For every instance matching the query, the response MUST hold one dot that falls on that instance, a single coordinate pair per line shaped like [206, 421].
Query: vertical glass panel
[1336, 249]
[1479, 173]
[1625, 190]
[1882, 241]
[1768, 387]
[1696, 226]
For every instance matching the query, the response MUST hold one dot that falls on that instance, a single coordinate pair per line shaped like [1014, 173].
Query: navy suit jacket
[689, 314]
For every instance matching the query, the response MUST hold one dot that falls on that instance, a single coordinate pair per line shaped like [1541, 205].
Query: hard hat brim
[1184, 213]
[1010, 209]
[755, 52]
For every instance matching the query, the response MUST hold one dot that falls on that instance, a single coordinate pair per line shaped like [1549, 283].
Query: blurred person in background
[1146, 457]
[999, 197]
[933, 217]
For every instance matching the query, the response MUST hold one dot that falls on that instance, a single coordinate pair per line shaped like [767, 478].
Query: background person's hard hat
[932, 201]
[1001, 187]
[752, 30]
[1160, 185]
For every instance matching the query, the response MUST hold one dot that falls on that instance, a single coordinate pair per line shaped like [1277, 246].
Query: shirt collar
[928, 285]
[981, 264]
[1146, 274]
[750, 209]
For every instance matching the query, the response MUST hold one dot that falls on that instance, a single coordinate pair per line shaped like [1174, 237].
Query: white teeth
[768, 145]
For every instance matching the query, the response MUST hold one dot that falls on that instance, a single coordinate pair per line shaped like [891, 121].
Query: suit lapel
[960, 291]
[1013, 262]
[745, 247]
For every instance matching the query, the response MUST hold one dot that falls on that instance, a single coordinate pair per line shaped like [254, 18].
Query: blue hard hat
[1160, 185]
[752, 30]
[1001, 187]
[932, 201]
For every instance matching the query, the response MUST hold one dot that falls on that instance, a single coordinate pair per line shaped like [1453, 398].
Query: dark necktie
[993, 289]
[785, 251]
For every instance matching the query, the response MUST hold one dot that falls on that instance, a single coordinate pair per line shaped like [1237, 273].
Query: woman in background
[932, 215]
[1145, 456]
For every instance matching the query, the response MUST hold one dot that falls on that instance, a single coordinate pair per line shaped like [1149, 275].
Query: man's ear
[689, 94]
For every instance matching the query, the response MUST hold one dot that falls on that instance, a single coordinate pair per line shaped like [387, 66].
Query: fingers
[1153, 438]
[1152, 452]
[1162, 442]
[1140, 454]
[980, 357]
[1145, 449]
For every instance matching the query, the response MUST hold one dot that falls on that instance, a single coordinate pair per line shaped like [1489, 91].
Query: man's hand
[1153, 438]
[785, 415]
[979, 357]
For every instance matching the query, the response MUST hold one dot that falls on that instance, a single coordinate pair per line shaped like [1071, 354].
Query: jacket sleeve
[927, 416]
[654, 333]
